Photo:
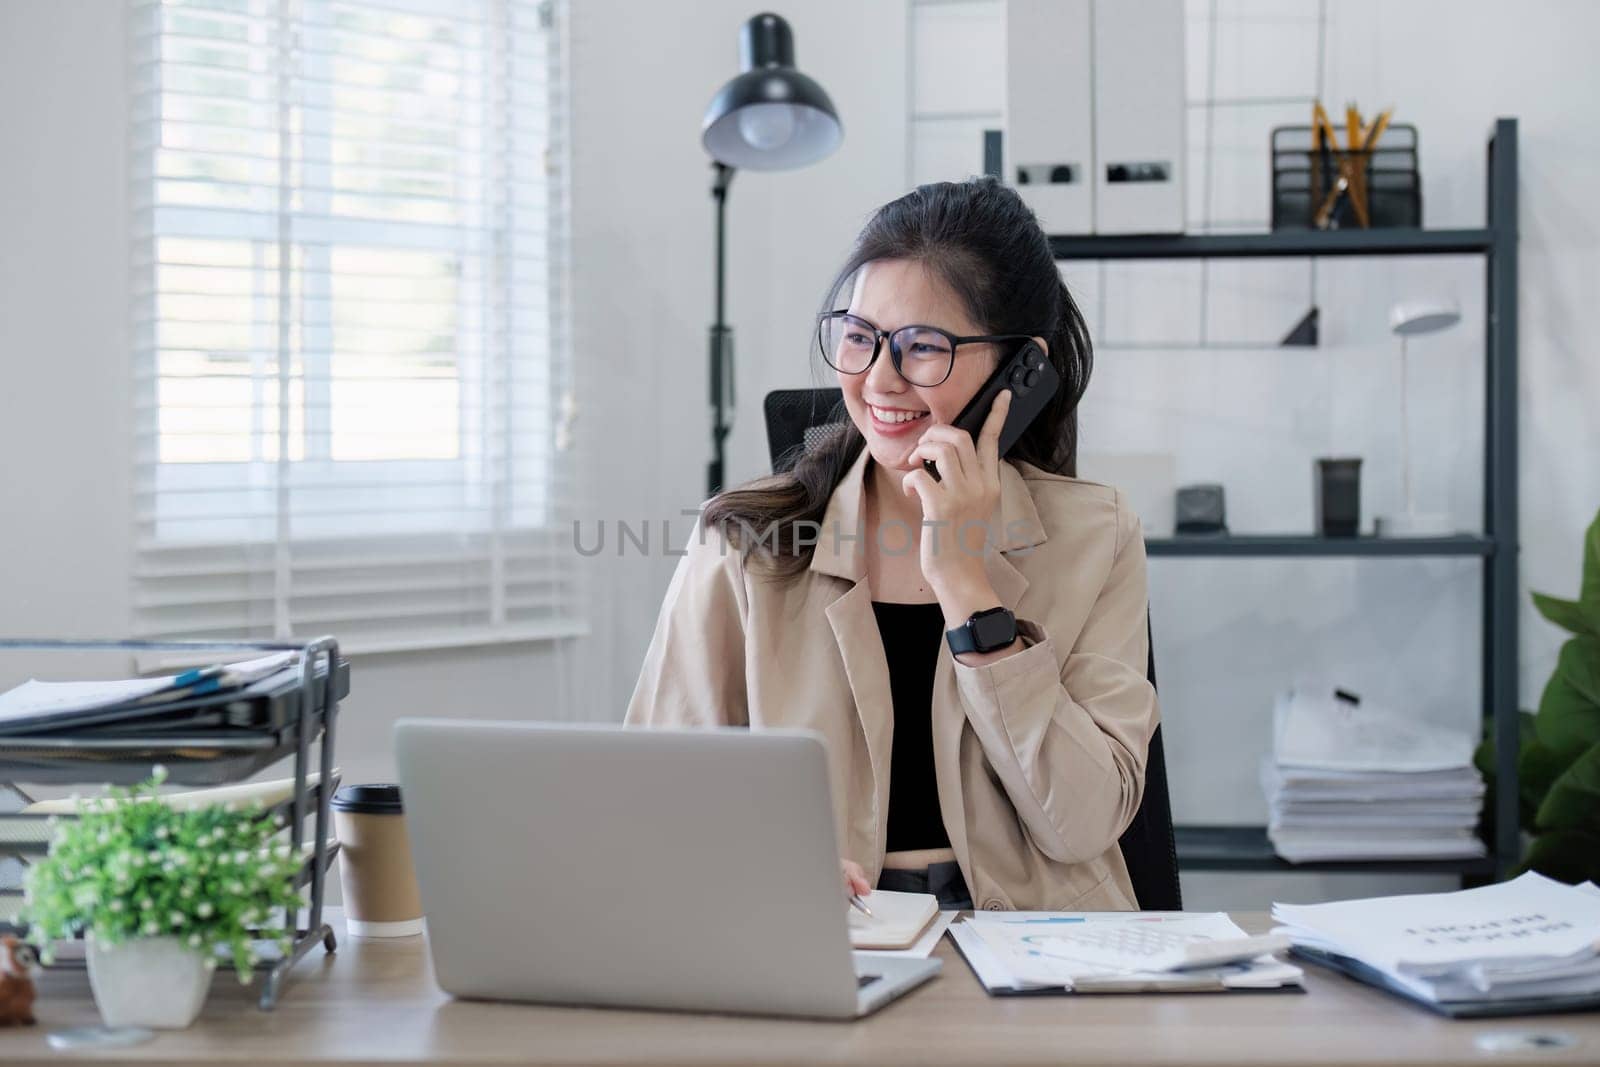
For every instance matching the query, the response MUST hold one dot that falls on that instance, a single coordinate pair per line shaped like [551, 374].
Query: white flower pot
[155, 982]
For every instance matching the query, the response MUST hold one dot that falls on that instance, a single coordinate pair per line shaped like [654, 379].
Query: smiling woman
[996, 767]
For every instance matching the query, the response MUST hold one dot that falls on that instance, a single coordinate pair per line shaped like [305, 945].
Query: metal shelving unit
[1312, 545]
[218, 758]
[1283, 243]
[1246, 848]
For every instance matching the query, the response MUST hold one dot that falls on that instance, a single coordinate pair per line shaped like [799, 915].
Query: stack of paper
[1350, 780]
[1033, 952]
[1526, 945]
[40, 706]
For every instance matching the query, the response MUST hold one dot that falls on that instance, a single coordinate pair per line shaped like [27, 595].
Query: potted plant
[156, 892]
[1558, 758]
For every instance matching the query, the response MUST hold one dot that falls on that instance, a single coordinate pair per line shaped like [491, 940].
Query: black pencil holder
[1338, 497]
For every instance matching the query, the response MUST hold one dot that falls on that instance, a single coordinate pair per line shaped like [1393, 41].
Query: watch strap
[965, 638]
[961, 640]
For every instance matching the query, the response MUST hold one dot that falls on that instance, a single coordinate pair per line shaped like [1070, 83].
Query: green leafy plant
[1558, 761]
[131, 867]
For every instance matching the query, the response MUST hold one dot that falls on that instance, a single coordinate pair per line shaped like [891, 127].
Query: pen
[199, 674]
[857, 903]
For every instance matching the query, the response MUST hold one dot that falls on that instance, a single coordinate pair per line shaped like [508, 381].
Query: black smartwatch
[985, 631]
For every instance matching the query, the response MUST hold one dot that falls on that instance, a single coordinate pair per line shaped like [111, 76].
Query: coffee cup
[380, 883]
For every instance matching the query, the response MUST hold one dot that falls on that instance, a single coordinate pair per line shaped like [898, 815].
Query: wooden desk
[376, 1002]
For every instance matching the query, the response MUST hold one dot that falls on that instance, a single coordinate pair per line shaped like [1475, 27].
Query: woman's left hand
[958, 508]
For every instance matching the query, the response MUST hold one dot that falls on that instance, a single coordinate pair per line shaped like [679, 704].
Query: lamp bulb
[767, 126]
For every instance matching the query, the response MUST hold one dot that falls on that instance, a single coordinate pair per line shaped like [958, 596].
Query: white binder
[1049, 140]
[1139, 116]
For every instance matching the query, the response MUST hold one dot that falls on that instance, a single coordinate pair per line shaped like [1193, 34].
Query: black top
[912, 634]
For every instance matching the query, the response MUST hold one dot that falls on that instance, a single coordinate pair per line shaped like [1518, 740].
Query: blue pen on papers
[188, 678]
[202, 681]
[233, 674]
[208, 683]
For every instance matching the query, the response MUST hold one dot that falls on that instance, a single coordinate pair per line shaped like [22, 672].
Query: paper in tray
[267, 704]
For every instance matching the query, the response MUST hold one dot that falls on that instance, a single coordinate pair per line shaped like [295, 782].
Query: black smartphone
[1032, 379]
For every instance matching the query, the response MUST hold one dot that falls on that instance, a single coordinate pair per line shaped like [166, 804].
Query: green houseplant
[156, 892]
[1558, 762]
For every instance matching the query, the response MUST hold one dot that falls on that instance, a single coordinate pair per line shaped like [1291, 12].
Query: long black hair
[983, 241]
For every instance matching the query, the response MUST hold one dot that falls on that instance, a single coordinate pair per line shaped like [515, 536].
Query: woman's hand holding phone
[958, 507]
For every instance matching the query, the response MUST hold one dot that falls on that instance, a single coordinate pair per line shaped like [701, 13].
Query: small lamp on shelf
[1409, 319]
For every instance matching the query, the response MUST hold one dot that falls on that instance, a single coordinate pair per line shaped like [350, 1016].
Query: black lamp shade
[771, 117]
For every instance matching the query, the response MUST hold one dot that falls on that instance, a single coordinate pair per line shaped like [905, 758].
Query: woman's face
[891, 413]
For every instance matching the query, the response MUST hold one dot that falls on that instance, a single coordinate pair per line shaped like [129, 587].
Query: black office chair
[796, 419]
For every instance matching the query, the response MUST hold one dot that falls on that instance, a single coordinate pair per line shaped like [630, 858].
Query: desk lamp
[770, 117]
[1409, 319]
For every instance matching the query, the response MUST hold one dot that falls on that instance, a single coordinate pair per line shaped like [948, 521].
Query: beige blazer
[1039, 757]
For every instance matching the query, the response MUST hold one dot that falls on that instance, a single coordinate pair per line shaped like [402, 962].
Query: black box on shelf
[1303, 178]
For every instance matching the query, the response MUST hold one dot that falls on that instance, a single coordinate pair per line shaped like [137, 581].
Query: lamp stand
[722, 395]
[1405, 431]
[1409, 523]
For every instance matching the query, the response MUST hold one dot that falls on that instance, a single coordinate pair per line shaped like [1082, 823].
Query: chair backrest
[797, 418]
[794, 419]
[1148, 847]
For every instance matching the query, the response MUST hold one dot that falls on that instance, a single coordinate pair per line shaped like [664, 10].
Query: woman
[996, 772]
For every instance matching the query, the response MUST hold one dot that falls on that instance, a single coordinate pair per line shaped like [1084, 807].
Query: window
[351, 361]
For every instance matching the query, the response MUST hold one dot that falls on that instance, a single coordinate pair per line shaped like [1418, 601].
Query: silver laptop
[685, 869]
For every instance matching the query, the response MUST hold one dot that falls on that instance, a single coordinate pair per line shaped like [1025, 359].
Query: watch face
[993, 629]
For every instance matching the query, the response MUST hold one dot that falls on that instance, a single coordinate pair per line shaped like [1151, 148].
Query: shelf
[17, 841]
[1246, 848]
[1312, 545]
[1383, 242]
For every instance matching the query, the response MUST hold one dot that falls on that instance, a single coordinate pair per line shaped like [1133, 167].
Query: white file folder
[1139, 116]
[1049, 141]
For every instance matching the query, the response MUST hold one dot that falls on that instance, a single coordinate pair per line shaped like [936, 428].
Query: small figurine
[17, 964]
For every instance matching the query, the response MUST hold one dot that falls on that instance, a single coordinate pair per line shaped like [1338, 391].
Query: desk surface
[376, 1002]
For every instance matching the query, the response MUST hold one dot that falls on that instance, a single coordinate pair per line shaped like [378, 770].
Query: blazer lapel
[840, 553]
[855, 629]
[1019, 531]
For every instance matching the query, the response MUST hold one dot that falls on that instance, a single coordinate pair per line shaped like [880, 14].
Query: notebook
[897, 919]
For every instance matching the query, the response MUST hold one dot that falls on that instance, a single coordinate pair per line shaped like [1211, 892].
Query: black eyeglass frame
[895, 354]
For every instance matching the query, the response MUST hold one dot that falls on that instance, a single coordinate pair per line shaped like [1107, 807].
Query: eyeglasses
[922, 355]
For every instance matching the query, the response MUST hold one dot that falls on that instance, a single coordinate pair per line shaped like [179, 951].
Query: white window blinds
[350, 327]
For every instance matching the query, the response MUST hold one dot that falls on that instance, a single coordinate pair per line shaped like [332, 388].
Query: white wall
[64, 282]
[644, 74]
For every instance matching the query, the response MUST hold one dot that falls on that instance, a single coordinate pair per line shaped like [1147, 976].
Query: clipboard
[969, 944]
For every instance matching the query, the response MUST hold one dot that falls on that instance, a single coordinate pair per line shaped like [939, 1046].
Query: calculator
[1139, 946]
